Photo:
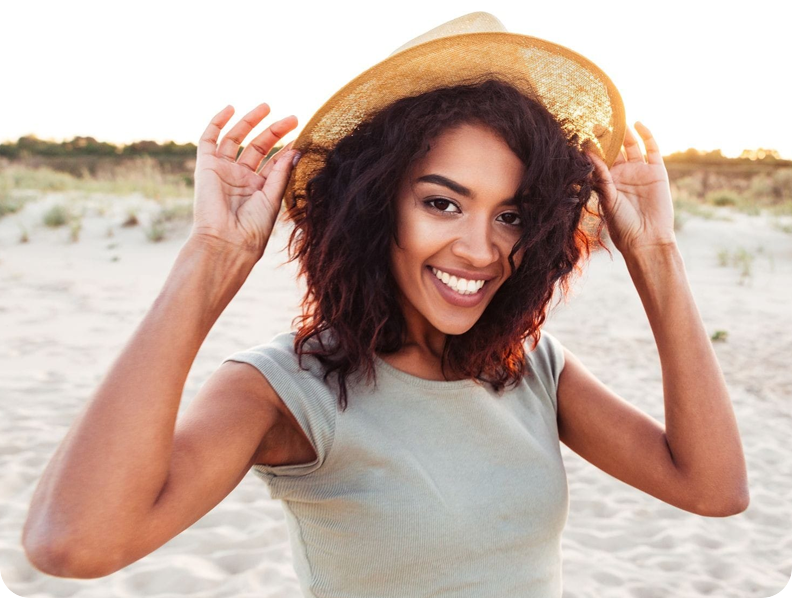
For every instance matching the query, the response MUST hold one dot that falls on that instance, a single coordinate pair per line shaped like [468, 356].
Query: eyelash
[429, 203]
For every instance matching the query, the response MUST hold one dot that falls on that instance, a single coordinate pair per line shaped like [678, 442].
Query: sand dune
[67, 308]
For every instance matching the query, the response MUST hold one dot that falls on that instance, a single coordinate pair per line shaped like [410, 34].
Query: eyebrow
[439, 179]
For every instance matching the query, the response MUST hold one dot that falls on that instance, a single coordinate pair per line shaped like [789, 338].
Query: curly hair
[345, 221]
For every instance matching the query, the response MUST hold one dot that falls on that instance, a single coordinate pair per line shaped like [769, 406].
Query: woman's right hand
[236, 207]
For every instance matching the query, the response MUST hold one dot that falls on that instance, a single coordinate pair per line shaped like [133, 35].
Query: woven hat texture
[468, 49]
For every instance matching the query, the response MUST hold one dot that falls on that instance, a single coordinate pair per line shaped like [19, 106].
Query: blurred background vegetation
[83, 164]
[702, 182]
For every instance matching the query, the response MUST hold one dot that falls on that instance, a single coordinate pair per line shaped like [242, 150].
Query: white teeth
[460, 285]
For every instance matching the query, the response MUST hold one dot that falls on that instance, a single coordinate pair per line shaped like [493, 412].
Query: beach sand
[66, 310]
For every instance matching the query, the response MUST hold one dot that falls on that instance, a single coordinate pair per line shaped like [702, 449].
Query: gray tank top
[421, 487]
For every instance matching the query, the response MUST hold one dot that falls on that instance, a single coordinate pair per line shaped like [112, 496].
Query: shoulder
[278, 358]
[545, 362]
[300, 391]
[547, 356]
[289, 374]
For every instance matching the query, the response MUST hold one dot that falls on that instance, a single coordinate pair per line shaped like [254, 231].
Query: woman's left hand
[638, 209]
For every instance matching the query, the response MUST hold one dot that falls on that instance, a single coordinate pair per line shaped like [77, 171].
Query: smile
[460, 285]
[458, 295]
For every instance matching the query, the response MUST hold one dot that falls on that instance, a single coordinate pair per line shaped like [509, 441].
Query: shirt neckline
[423, 382]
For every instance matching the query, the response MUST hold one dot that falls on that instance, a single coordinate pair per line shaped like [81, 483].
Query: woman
[411, 433]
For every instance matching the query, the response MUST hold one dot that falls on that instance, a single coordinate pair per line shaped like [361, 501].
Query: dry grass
[141, 176]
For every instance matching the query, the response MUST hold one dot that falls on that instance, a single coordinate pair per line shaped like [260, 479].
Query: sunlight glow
[162, 70]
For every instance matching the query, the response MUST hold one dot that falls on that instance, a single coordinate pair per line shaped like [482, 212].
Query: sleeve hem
[298, 400]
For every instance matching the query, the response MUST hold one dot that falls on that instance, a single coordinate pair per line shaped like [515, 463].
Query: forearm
[701, 428]
[113, 462]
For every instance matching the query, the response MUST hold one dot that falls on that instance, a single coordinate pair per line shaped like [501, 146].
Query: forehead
[474, 156]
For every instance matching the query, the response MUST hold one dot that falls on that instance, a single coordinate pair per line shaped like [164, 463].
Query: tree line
[87, 157]
[30, 145]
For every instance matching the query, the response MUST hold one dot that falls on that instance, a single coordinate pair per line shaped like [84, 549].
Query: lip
[464, 273]
[452, 296]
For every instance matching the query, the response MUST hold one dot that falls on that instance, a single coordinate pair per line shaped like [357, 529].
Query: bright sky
[698, 74]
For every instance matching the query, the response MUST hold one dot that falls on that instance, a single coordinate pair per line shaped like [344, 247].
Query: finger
[278, 178]
[229, 146]
[261, 145]
[270, 163]
[208, 142]
[653, 154]
[620, 158]
[631, 147]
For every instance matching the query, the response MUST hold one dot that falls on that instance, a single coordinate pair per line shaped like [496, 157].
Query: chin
[455, 327]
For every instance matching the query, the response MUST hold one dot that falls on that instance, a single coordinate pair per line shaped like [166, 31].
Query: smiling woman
[484, 173]
[433, 230]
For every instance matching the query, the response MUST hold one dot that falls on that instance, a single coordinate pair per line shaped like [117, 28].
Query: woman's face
[456, 218]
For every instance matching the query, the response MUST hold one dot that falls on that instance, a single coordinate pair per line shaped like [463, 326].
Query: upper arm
[617, 437]
[216, 441]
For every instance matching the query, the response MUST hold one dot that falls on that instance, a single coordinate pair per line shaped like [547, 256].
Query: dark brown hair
[345, 220]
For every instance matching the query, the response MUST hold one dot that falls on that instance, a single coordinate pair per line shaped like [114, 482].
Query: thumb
[277, 179]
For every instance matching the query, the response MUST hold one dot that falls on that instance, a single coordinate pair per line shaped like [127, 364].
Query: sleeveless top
[421, 487]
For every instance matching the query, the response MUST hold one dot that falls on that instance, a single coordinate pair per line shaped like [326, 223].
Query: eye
[513, 219]
[441, 205]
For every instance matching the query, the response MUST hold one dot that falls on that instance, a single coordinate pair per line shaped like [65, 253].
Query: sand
[67, 308]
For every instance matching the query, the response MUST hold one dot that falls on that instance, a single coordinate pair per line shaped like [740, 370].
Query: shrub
[724, 197]
[56, 216]
[131, 219]
[723, 258]
[74, 229]
[743, 259]
[10, 202]
[156, 230]
[782, 183]
[9, 205]
[719, 336]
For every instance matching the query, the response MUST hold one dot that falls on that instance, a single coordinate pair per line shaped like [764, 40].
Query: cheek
[420, 240]
[420, 236]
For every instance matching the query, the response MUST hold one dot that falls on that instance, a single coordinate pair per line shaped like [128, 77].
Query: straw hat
[468, 48]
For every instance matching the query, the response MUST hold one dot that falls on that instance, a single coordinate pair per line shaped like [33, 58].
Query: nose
[476, 244]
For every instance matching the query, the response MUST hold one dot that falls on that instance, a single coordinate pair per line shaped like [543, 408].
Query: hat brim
[568, 84]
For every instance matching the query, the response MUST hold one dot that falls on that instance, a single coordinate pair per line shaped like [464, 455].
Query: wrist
[219, 270]
[652, 253]
[221, 251]
[656, 269]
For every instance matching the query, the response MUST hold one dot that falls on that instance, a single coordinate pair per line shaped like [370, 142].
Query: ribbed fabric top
[421, 487]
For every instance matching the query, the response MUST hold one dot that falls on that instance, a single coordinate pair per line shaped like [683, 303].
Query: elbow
[738, 503]
[64, 559]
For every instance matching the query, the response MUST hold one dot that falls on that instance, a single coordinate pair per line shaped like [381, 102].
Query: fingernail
[296, 158]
